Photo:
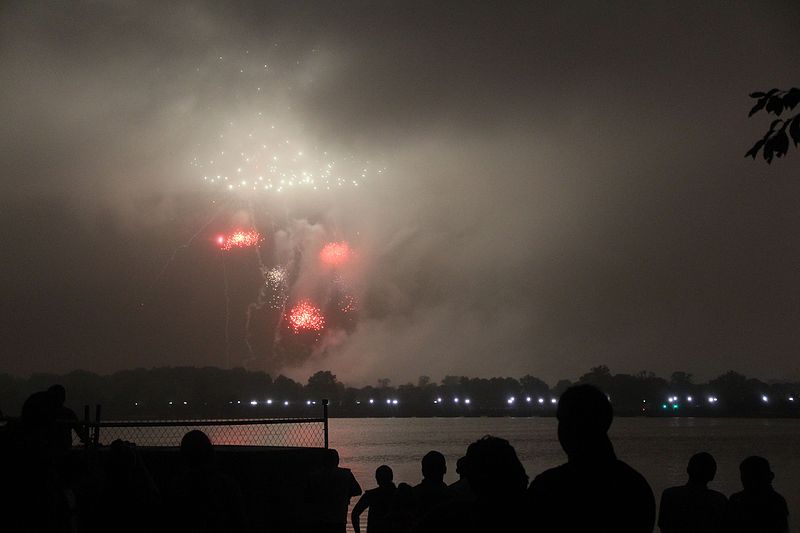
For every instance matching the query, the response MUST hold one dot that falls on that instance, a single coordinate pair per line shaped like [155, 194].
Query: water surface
[659, 448]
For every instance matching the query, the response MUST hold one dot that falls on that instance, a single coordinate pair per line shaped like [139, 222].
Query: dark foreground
[49, 487]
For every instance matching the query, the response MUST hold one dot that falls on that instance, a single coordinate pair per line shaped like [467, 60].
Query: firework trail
[180, 247]
[227, 313]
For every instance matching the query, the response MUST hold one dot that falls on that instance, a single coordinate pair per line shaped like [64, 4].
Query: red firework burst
[305, 316]
[335, 253]
[239, 239]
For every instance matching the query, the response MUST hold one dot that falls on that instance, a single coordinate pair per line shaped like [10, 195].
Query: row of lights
[465, 401]
[528, 399]
[672, 400]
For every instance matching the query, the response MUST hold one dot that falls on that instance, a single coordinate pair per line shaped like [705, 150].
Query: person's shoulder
[737, 497]
[716, 495]
[623, 469]
[673, 492]
[632, 481]
[549, 477]
[780, 501]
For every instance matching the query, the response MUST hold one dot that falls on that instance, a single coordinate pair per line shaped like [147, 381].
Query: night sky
[564, 184]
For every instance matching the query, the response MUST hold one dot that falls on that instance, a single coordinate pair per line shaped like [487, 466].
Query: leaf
[794, 130]
[792, 98]
[776, 146]
[756, 108]
[772, 91]
[769, 149]
[774, 123]
[757, 94]
[753, 152]
[775, 105]
[781, 143]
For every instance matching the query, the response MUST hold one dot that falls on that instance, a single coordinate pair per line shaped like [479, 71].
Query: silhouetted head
[702, 468]
[196, 448]
[493, 468]
[404, 497]
[434, 466]
[38, 409]
[59, 393]
[584, 416]
[331, 459]
[384, 475]
[121, 458]
[756, 474]
[461, 465]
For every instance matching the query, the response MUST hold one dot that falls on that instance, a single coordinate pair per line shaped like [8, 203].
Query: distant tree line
[188, 392]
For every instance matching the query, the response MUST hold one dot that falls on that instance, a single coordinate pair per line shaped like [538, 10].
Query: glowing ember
[239, 239]
[306, 317]
[335, 253]
[275, 286]
[261, 148]
[348, 304]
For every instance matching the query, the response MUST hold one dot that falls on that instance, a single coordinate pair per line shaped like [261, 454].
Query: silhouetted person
[461, 490]
[432, 490]
[694, 508]
[401, 512]
[32, 495]
[66, 421]
[498, 480]
[758, 508]
[378, 501]
[128, 491]
[594, 491]
[203, 499]
[329, 491]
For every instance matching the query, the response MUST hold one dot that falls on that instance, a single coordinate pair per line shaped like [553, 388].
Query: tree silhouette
[775, 142]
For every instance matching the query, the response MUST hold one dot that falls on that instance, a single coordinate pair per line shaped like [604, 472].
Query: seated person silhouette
[694, 508]
[328, 492]
[461, 489]
[757, 508]
[432, 490]
[378, 501]
[593, 491]
[498, 481]
[203, 499]
[128, 490]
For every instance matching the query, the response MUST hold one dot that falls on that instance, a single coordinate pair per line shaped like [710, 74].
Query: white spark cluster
[258, 147]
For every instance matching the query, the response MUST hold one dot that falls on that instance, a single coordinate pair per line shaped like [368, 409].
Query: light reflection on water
[658, 447]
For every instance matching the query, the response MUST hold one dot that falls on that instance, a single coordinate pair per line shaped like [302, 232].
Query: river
[659, 448]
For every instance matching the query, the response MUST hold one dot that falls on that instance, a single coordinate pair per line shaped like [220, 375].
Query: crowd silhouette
[45, 489]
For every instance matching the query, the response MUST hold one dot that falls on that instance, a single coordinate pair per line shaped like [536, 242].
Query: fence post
[325, 421]
[97, 411]
[86, 425]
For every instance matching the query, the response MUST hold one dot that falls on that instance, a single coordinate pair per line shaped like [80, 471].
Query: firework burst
[276, 286]
[335, 253]
[239, 239]
[305, 316]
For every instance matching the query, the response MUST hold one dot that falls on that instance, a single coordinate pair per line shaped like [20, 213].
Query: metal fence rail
[283, 432]
[279, 432]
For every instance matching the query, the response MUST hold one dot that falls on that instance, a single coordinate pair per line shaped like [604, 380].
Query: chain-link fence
[282, 432]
